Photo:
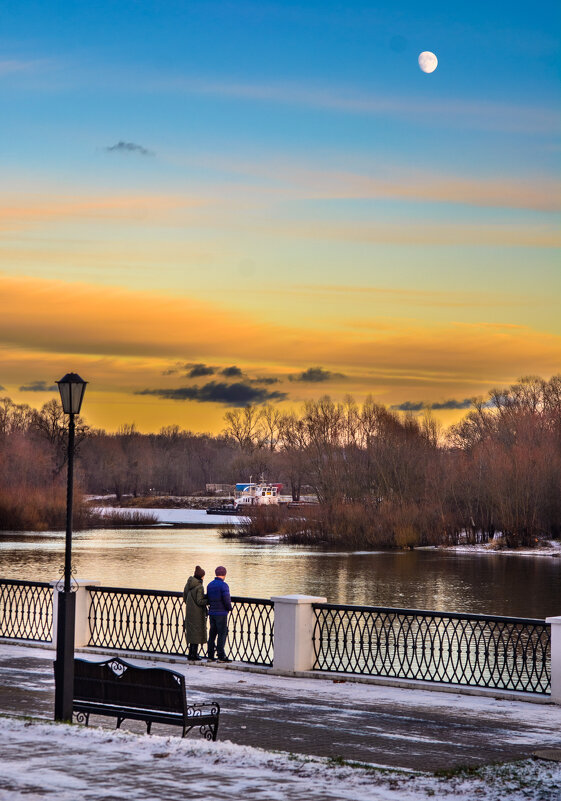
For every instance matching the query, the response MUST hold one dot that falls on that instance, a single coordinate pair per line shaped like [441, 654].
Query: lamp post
[71, 389]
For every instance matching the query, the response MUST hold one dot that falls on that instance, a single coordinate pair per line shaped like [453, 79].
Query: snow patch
[38, 760]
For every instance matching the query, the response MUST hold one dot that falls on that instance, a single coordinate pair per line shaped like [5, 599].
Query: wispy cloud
[237, 394]
[416, 297]
[417, 406]
[399, 182]
[473, 114]
[129, 147]
[39, 386]
[8, 67]
[135, 208]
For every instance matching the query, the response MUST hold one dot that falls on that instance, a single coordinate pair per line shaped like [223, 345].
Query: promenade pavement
[384, 726]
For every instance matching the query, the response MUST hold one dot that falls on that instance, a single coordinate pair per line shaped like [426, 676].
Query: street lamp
[71, 389]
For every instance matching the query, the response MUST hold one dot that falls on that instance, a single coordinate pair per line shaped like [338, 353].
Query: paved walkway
[411, 729]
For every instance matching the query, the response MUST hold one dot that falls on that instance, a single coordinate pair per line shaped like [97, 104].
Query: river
[500, 584]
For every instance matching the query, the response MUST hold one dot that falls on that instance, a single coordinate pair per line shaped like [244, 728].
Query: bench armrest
[199, 710]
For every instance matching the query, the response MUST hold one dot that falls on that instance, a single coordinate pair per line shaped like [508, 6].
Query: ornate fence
[152, 621]
[475, 650]
[26, 610]
[480, 650]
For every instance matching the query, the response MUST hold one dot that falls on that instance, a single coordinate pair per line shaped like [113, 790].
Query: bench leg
[209, 731]
[148, 726]
[119, 721]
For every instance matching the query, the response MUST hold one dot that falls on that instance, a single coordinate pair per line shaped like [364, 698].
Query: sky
[209, 204]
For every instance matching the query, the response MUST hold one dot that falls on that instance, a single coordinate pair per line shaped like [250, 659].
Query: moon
[428, 62]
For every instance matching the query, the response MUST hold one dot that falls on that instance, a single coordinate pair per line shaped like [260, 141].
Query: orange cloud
[37, 209]
[408, 183]
[88, 321]
[122, 341]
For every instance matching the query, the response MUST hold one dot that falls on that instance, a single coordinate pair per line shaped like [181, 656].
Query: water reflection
[163, 559]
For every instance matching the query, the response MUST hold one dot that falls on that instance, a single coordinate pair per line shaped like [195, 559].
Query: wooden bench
[153, 695]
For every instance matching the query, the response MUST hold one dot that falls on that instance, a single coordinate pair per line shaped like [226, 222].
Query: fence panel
[152, 621]
[474, 650]
[26, 610]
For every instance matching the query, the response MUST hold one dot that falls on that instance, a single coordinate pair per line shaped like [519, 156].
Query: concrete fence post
[81, 630]
[293, 631]
[555, 658]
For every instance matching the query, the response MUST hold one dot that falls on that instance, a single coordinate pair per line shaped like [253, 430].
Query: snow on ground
[552, 548]
[193, 517]
[43, 760]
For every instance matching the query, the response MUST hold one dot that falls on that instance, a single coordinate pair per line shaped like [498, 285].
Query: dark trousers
[218, 634]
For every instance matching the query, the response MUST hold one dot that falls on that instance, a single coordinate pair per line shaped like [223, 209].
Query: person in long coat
[195, 613]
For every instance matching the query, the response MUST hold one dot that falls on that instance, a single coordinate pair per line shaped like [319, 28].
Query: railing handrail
[23, 583]
[171, 594]
[431, 613]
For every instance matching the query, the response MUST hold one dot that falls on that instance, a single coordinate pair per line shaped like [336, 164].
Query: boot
[192, 655]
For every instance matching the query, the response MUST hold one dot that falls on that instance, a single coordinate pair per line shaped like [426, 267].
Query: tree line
[382, 478]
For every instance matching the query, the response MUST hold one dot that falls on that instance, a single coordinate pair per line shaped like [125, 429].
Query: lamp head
[71, 389]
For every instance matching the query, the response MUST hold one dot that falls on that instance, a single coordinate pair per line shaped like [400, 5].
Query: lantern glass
[71, 389]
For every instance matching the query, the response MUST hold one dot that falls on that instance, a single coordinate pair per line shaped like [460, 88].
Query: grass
[44, 509]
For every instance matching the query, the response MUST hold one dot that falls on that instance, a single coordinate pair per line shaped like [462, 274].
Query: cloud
[316, 375]
[39, 386]
[408, 406]
[8, 67]
[237, 394]
[46, 321]
[417, 406]
[196, 370]
[232, 372]
[452, 404]
[267, 381]
[451, 112]
[320, 180]
[129, 147]
[22, 210]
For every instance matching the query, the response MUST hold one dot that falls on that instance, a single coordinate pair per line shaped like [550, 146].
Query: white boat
[261, 494]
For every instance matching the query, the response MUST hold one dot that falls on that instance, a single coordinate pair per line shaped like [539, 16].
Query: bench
[153, 695]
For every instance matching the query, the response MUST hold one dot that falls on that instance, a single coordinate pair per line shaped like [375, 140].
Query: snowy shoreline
[551, 548]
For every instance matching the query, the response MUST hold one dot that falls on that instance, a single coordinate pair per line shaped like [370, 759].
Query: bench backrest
[117, 682]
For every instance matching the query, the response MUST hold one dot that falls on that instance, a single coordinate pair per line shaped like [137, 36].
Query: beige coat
[195, 611]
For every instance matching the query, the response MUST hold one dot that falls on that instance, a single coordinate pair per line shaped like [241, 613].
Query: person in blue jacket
[218, 594]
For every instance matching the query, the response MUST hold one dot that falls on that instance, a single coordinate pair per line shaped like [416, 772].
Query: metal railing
[152, 621]
[476, 650]
[26, 610]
